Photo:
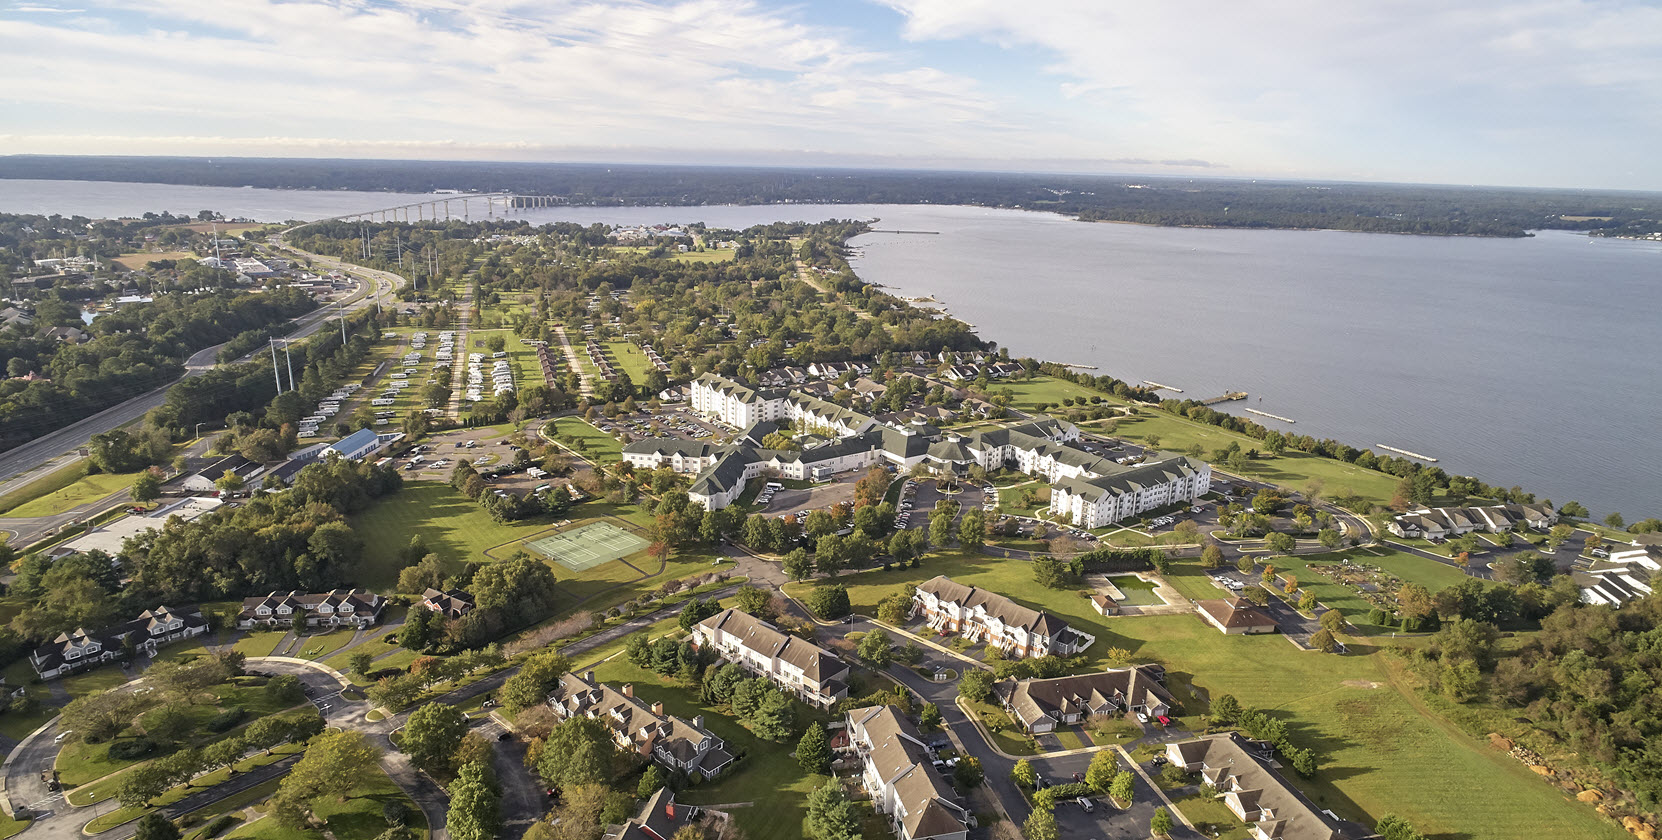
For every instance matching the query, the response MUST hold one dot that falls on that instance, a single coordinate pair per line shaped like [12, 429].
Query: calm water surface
[1526, 361]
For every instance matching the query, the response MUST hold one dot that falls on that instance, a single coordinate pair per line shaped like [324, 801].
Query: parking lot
[819, 497]
[667, 422]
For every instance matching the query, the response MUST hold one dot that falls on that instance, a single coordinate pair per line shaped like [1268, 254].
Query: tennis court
[588, 546]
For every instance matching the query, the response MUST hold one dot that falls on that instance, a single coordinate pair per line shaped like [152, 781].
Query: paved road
[44, 454]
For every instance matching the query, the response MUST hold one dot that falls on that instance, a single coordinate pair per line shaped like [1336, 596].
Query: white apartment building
[983, 616]
[813, 674]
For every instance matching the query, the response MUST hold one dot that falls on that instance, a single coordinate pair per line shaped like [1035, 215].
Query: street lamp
[199, 426]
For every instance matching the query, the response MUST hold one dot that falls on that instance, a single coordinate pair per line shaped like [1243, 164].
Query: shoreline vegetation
[1164, 201]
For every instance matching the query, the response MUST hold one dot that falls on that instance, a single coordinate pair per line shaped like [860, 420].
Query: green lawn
[90, 488]
[629, 358]
[767, 775]
[457, 528]
[321, 645]
[1212, 815]
[1007, 735]
[589, 441]
[1294, 470]
[1069, 737]
[1381, 750]
[1407, 567]
[1028, 395]
[259, 642]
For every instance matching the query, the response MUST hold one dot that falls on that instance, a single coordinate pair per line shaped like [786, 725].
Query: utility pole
[275, 374]
[290, 360]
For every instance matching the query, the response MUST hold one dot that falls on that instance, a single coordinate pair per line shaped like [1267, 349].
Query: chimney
[628, 689]
[658, 708]
[698, 722]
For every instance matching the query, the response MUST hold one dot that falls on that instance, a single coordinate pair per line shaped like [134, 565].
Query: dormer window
[284, 610]
[262, 610]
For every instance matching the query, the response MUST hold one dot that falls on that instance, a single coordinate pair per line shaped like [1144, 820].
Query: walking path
[585, 381]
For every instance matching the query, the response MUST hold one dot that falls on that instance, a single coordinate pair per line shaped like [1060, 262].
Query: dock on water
[1269, 415]
[1158, 387]
[923, 232]
[1228, 397]
[1426, 458]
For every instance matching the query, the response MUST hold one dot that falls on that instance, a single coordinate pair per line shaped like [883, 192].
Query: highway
[56, 450]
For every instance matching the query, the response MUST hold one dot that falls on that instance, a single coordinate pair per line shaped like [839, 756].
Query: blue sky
[1564, 93]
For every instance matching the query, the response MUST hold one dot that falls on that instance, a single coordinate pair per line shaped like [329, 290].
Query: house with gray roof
[77, 650]
[1252, 790]
[815, 675]
[896, 770]
[983, 616]
[640, 727]
[1042, 705]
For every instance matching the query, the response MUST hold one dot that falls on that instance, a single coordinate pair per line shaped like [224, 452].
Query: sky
[1558, 93]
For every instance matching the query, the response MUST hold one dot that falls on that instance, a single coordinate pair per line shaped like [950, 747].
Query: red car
[1164, 721]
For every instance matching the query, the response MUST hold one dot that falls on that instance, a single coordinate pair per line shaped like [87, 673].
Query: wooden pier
[1228, 397]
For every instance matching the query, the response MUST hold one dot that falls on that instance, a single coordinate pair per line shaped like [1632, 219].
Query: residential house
[1235, 616]
[1622, 577]
[77, 650]
[644, 729]
[815, 675]
[64, 335]
[898, 773]
[1042, 705]
[335, 608]
[1253, 791]
[983, 616]
[451, 603]
[1444, 522]
[659, 818]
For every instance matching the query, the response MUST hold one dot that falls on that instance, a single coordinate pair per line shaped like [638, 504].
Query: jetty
[1426, 458]
[1271, 416]
[1158, 387]
[1075, 367]
[921, 232]
[1228, 397]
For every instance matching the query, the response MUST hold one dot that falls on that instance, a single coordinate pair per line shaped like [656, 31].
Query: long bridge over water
[445, 207]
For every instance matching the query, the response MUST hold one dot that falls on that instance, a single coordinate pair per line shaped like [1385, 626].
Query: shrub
[219, 826]
[131, 749]
[223, 721]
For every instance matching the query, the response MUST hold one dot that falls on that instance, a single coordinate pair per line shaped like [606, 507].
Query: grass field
[1028, 395]
[1292, 469]
[90, 488]
[1381, 750]
[630, 359]
[136, 261]
[713, 255]
[590, 441]
[458, 529]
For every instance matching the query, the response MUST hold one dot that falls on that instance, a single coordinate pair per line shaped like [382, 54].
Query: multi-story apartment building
[983, 616]
[644, 729]
[813, 674]
[896, 771]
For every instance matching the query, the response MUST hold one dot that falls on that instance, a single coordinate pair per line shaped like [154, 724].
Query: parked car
[1086, 804]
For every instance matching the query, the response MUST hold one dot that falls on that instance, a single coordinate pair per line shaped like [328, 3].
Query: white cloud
[1319, 87]
[1537, 91]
